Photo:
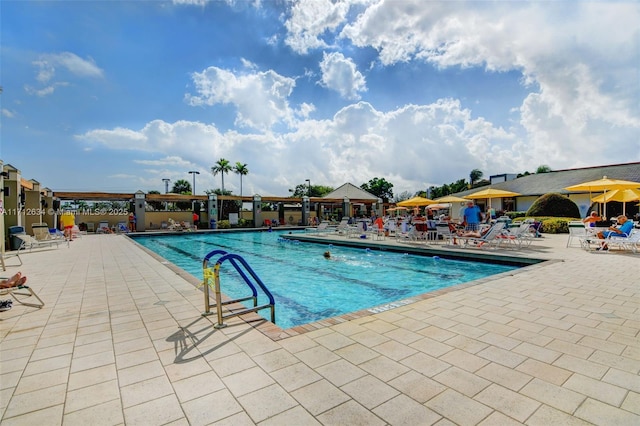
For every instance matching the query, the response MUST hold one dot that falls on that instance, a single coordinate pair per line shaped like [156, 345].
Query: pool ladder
[243, 268]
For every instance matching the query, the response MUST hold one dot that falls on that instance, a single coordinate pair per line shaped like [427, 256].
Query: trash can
[213, 224]
[15, 242]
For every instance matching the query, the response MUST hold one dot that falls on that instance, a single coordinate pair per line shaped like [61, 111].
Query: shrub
[224, 224]
[552, 225]
[554, 205]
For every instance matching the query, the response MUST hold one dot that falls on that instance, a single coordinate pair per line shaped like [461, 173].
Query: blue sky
[117, 95]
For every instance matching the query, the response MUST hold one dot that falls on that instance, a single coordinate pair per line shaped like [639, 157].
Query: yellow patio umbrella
[490, 193]
[450, 199]
[622, 195]
[416, 202]
[396, 209]
[605, 184]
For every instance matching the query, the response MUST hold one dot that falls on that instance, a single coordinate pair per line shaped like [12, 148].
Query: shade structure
[416, 202]
[605, 184]
[622, 195]
[490, 193]
[450, 199]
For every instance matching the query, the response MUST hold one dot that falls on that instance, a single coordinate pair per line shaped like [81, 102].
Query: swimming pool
[306, 286]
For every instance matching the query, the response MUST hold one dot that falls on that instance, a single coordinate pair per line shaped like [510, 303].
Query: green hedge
[552, 225]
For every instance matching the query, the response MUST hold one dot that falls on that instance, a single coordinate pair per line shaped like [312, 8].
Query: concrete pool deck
[121, 340]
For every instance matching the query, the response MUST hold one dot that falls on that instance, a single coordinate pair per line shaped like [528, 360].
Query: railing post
[216, 274]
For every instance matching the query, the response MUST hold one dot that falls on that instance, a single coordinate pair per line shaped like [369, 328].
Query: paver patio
[121, 340]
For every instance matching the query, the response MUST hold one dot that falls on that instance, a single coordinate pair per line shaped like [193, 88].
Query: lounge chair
[103, 228]
[122, 228]
[489, 240]
[631, 242]
[41, 232]
[322, 228]
[22, 292]
[29, 242]
[518, 236]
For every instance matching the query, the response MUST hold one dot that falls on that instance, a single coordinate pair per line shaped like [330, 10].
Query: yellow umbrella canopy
[605, 184]
[621, 195]
[416, 202]
[490, 193]
[450, 199]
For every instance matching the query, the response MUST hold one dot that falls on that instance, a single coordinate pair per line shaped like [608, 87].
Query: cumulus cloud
[7, 113]
[309, 21]
[341, 74]
[410, 146]
[260, 98]
[580, 62]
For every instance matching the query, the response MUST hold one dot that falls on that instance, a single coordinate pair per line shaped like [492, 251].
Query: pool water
[306, 286]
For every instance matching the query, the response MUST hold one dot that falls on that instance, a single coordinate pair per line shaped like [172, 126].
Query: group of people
[15, 281]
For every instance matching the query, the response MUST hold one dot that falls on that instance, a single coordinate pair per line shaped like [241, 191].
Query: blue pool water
[306, 286]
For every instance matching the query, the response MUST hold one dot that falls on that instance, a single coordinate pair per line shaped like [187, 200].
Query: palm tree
[242, 170]
[222, 166]
[475, 176]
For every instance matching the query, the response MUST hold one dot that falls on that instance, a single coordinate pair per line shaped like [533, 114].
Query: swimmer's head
[327, 254]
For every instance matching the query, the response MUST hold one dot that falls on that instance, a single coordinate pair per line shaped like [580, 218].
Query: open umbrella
[450, 199]
[491, 193]
[416, 202]
[605, 184]
[622, 195]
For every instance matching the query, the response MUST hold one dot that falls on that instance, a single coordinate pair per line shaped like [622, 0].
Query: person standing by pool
[472, 217]
[196, 220]
[67, 220]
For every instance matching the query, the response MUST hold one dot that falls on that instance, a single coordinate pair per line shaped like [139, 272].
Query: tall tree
[222, 166]
[182, 186]
[543, 169]
[380, 188]
[475, 176]
[242, 170]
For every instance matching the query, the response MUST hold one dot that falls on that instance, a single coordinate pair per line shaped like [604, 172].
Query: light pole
[309, 190]
[166, 185]
[193, 192]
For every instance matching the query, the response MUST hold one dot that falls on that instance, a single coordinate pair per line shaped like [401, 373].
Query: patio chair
[322, 228]
[631, 242]
[41, 231]
[489, 240]
[578, 231]
[29, 242]
[443, 230]
[103, 228]
[20, 294]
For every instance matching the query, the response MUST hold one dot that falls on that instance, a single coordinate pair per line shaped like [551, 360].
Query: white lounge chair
[29, 242]
[489, 240]
[578, 231]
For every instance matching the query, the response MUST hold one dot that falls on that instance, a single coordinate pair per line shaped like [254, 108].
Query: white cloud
[49, 65]
[310, 20]
[411, 146]
[7, 113]
[341, 74]
[260, 98]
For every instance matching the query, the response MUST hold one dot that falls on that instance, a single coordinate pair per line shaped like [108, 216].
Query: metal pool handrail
[238, 263]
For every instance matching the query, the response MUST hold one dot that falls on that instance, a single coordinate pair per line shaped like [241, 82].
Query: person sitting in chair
[15, 281]
[623, 229]
[591, 220]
